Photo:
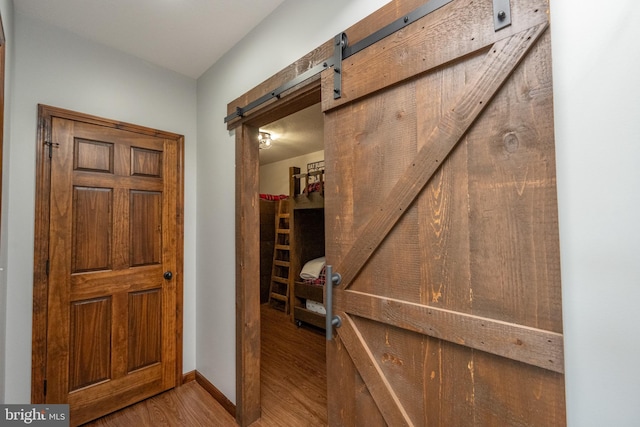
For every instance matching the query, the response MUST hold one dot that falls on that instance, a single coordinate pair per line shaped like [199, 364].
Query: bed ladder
[280, 277]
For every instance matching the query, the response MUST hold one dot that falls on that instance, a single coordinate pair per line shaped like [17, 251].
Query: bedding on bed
[313, 271]
[315, 306]
[274, 197]
[314, 187]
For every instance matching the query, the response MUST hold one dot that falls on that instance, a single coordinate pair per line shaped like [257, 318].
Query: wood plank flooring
[293, 370]
[293, 387]
[188, 405]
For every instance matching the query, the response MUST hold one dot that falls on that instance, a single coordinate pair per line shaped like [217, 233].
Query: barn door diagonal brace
[374, 377]
[341, 52]
[496, 67]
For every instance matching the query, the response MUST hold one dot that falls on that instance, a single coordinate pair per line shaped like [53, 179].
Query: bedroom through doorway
[293, 360]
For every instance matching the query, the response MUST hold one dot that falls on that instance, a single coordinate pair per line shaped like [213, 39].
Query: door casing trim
[248, 406]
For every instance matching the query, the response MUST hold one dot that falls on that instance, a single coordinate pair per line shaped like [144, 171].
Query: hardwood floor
[293, 387]
[188, 405]
[294, 379]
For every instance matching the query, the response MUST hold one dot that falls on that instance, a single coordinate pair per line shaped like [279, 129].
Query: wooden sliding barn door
[115, 264]
[441, 218]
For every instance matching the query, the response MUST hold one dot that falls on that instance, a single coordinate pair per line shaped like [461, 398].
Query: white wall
[274, 177]
[6, 9]
[596, 58]
[57, 68]
[272, 46]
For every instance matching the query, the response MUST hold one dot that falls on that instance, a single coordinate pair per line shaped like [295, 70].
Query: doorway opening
[293, 361]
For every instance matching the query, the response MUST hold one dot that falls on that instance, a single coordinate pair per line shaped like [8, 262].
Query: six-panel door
[111, 313]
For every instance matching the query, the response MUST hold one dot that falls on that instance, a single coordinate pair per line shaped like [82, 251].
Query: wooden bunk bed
[306, 204]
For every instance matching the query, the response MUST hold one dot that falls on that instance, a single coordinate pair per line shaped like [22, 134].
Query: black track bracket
[339, 45]
[501, 14]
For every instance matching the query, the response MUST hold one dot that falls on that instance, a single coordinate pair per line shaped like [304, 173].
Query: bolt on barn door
[441, 218]
[111, 336]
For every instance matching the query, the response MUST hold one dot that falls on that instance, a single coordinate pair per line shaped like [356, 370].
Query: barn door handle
[331, 280]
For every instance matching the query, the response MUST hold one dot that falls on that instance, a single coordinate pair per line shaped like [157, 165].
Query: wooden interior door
[441, 217]
[114, 267]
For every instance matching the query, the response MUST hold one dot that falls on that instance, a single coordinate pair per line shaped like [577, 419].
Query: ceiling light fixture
[264, 140]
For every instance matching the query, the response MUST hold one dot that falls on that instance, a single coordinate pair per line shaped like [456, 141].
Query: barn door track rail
[342, 51]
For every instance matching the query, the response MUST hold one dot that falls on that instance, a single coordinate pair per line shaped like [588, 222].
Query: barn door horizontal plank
[533, 346]
[496, 67]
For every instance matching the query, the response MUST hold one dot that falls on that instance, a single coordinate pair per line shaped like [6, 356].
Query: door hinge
[51, 145]
[46, 267]
[44, 386]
